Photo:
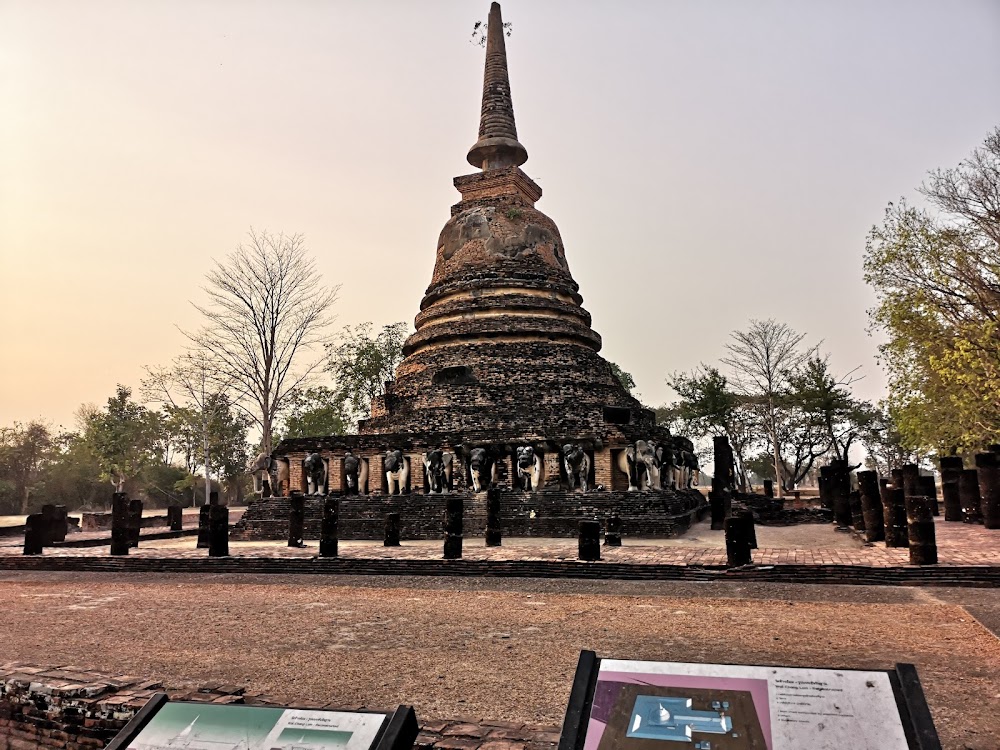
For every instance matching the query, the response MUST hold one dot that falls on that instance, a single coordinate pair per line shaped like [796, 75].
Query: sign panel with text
[180, 725]
[642, 705]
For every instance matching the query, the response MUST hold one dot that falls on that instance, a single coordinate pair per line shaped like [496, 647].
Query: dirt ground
[491, 649]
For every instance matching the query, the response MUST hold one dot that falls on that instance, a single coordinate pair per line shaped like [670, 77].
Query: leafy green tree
[123, 437]
[212, 438]
[362, 364]
[936, 274]
[883, 442]
[73, 478]
[26, 450]
[625, 378]
[314, 411]
[161, 483]
[761, 466]
[709, 406]
[828, 402]
[200, 421]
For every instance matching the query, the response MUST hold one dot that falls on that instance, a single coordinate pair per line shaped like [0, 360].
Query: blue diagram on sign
[673, 719]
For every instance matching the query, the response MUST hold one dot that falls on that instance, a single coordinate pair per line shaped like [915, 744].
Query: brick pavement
[958, 545]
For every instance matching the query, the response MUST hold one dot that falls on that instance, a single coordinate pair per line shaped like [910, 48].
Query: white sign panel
[673, 706]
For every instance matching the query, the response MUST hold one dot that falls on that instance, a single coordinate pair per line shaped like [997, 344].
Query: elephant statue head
[577, 464]
[438, 465]
[397, 471]
[645, 455]
[670, 462]
[351, 466]
[482, 469]
[315, 468]
[264, 470]
[529, 468]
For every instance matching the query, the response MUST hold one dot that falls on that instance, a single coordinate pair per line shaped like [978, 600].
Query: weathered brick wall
[72, 708]
[102, 522]
[523, 514]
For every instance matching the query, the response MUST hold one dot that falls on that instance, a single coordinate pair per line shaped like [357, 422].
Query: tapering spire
[497, 146]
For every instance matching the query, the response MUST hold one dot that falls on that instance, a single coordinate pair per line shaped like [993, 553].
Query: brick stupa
[503, 347]
[503, 359]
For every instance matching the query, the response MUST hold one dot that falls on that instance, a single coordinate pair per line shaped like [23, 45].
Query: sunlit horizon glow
[707, 163]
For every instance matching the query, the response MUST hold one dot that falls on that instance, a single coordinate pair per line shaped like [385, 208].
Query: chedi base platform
[661, 514]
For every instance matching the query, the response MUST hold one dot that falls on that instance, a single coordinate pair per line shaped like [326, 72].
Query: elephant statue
[639, 462]
[397, 472]
[694, 469]
[355, 475]
[669, 465]
[265, 474]
[438, 464]
[282, 477]
[687, 461]
[482, 469]
[577, 464]
[315, 469]
[530, 469]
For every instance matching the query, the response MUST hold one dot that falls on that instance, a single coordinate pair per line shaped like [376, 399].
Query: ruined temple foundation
[522, 514]
[501, 385]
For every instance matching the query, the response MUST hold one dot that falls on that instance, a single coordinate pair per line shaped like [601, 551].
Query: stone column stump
[717, 506]
[749, 529]
[988, 468]
[839, 483]
[391, 530]
[58, 523]
[911, 480]
[330, 529]
[119, 524]
[175, 517]
[768, 488]
[920, 530]
[928, 488]
[203, 524]
[951, 470]
[613, 533]
[871, 506]
[296, 520]
[968, 493]
[494, 536]
[738, 541]
[34, 534]
[134, 521]
[218, 531]
[453, 510]
[589, 544]
[896, 534]
[857, 513]
[825, 486]
[48, 524]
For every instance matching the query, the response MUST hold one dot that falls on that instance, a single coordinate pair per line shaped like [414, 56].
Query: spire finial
[497, 146]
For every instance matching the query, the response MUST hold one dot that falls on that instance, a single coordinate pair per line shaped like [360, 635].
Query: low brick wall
[102, 522]
[72, 708]
[522, 514]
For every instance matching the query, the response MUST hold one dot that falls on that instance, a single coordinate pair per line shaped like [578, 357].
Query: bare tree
[267, 308]
[761, 359]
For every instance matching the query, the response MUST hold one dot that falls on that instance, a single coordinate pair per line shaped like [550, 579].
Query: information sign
[642, 705]
[181, 725]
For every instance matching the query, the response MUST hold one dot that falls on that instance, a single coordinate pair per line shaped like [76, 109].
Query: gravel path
[483, 649]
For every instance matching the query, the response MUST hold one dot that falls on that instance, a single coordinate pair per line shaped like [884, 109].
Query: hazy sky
[706, 162]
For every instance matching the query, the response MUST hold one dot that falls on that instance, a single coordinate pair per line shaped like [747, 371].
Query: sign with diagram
[641, 705]
[178, 725]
